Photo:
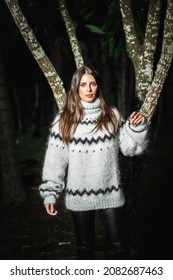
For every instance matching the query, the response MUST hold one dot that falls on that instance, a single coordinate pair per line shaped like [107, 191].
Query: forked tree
[149, 82]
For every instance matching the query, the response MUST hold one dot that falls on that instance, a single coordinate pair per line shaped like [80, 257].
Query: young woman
[82, 157]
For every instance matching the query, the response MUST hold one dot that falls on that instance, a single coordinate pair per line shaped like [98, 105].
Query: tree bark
[149, 84]
[71, 31]
[141, 54]
[149, 105]
[38, 53]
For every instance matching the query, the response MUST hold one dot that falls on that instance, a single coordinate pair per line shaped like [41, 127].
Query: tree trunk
[38, 53]
[155, 89]
[149, 84]
[71, 30]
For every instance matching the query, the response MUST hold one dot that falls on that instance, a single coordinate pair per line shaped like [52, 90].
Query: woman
[82, 157]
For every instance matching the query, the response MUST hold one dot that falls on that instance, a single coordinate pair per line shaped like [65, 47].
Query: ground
[29, 233]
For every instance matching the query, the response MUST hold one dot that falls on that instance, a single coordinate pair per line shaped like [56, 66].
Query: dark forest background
[26, 231]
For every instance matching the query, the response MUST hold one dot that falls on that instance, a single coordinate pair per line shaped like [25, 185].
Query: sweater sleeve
[133, 139]
[54, 167]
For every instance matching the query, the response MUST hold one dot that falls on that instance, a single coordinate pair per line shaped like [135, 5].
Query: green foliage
[105, 23]
[140, 13]
[94, 29]
[113, 28]
[92, 18]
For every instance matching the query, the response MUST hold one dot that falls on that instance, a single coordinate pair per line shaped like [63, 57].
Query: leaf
[94, 29]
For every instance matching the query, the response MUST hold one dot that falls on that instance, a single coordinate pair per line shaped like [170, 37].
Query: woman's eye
[94, 84]
[83, 85]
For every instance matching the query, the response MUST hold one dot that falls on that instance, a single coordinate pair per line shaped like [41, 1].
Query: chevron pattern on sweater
[85, 140]
[56, 136]
[49, 190]
[95, 192]
[87, 122]
[92, 140]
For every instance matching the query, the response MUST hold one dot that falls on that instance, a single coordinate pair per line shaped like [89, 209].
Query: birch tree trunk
[38, 53]
[149, 84]
[71, 31]
[142, 57]
[163, 66]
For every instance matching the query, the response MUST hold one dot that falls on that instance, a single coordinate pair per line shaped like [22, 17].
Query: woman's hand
[50, 209]
[136, 118]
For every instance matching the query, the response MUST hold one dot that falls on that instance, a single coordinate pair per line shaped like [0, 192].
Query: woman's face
[88, 88]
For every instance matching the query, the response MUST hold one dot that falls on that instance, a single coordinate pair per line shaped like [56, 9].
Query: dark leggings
[113, 221]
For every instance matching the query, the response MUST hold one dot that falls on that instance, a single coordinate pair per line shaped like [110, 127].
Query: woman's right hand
[50, 209]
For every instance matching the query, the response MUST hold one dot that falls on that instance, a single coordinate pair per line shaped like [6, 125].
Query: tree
[150, 76]
[12, 185]
[71, 34]
[149, 83]
[38, 53]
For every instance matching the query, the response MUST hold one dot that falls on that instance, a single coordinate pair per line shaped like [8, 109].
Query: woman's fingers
[136, 118]
[50, 209]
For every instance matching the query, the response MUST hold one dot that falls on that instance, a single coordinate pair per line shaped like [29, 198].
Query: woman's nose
[88, 88]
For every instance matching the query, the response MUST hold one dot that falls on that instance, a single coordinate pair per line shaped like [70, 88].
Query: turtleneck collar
[91, 108]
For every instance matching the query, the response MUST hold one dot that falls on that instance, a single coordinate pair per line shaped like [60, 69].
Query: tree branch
[151, 100]
[38, 53]
[71, 30]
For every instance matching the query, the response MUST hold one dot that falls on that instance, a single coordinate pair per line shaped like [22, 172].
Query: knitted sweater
[88, 167]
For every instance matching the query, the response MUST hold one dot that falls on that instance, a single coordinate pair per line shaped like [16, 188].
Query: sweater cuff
[137, 132]
[138, 127]
[49, 199]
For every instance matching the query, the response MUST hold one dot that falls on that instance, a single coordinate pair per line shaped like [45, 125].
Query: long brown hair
[73, 111]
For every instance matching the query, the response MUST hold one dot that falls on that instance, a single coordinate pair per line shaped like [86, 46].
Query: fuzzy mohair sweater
[88, 168]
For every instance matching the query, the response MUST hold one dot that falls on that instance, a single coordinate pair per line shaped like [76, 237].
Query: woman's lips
[89, 95]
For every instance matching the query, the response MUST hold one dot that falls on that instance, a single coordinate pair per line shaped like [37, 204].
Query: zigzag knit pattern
[85, 140]
[90, 192]
[49, 190]
[55, 135]
[87, 122]
[92, 140]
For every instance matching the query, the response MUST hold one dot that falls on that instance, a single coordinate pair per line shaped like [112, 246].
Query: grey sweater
[88, 167]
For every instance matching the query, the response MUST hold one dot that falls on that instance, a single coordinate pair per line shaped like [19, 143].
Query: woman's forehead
[87, 78]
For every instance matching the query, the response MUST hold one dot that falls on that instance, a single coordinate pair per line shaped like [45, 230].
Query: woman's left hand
[136, 118]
